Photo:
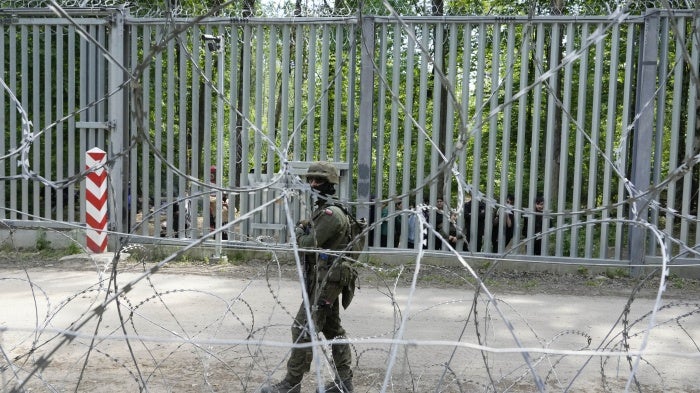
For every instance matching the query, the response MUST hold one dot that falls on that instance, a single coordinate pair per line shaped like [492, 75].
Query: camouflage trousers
[327, 321]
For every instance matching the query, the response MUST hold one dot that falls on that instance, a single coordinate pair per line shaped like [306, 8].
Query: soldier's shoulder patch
[328, 212]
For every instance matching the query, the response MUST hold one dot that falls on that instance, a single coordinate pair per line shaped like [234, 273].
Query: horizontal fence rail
[223, 115]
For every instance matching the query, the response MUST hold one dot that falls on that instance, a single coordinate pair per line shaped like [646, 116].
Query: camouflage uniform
[325, 278]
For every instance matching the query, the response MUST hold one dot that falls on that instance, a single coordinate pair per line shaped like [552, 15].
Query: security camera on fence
[213, 42]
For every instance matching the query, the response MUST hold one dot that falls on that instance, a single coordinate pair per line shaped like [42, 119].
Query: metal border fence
[596, 114]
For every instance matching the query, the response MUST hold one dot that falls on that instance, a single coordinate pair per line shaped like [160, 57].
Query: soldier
[326, 277]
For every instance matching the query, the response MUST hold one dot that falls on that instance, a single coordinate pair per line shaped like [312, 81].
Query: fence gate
[58, 103]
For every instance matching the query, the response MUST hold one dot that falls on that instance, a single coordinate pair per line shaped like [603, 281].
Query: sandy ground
[62, 328]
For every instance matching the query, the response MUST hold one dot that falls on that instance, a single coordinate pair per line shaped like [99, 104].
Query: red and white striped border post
[96, 198]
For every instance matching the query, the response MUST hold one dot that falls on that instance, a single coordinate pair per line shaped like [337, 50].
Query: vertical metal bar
[337, 107]
[466, 122]
[579, 145]
[60, 140]
[197, 189]
[100, 88]
[84, 95]
[259, 101]
[272, 127]
[298, 87]
[408, 129]
[621, 158]
[394, 128]
[258, 116]
[3, 123]
[183, 90]
[380, 127]
[493, 135]
[283, 131]
[158, 198]
[450, 71]
[207, 132]
[535, 139]
[435, 153]
[13, 117]
[422, 118]
[311, 97]
[134, 186]
[365, 115]
[24, 101]
[566, 122]
[323, 101]
[220, 110]
[284, 90]
[71, 73]
[175, 228]
[678, 90]
[245, 113]
[506, 135]
[595, 115]
[479, 127]
[644, 131]
[351, 105]
[234, 179]
[522, 131]
[49, 73]
[552, 105]
[657, 150]
[89, 77]
[117, 117]
[144, 124]
[34, 185]
[610, 138]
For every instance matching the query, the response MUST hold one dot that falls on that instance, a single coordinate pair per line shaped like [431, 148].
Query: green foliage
[484, 266]
[617, 273]
[42, 243]
[583, 271]
[237, 257]
[73, 248]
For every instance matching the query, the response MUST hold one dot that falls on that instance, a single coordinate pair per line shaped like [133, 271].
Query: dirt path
[225, 328]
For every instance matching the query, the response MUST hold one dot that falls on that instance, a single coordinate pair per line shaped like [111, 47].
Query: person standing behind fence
[450, 230]
[474, 245]
[415, 230]
[439, 220]
[508, 224]
[538, 218]
[326, 276]
[212, 205]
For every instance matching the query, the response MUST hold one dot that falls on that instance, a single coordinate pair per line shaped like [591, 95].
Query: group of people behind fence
[458, 233]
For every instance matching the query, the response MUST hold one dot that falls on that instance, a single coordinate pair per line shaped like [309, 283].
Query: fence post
[96, 200]
[118, 113]
[643, 137]
[364, 152]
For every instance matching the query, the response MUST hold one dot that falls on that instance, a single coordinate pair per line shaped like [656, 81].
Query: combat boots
[284, 386]
[338, 386]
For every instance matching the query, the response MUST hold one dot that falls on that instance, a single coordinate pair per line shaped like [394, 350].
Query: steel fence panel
[534, 120]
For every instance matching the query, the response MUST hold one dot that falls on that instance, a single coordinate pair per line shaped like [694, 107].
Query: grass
[617, 273]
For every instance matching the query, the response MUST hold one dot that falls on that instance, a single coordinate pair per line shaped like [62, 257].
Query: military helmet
[324, 170]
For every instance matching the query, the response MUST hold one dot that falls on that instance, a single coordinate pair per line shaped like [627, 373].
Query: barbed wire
[238, 331]
[276, 9]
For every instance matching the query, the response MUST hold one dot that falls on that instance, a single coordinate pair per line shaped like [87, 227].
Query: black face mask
[324, 190]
